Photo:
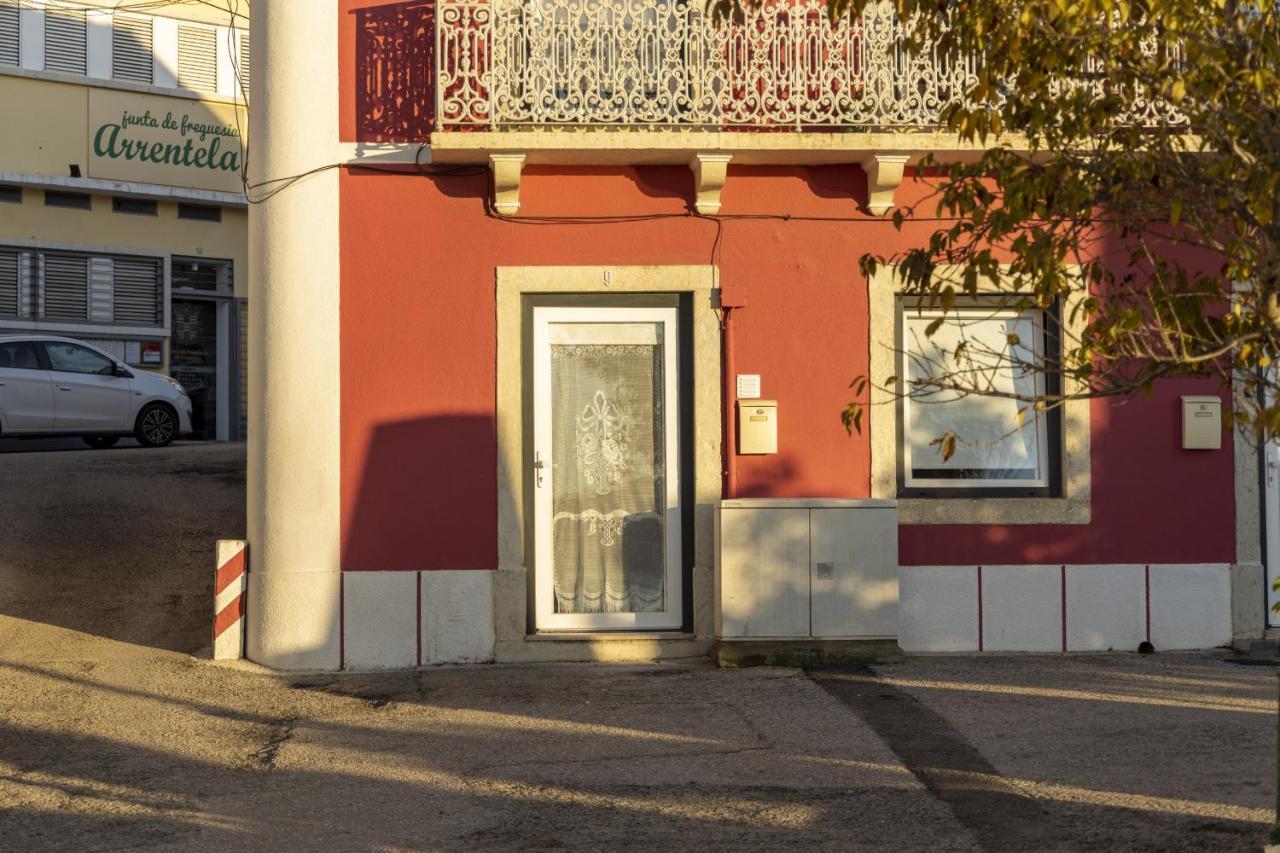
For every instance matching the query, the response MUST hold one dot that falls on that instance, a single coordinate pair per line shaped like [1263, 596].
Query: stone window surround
[1074, 506]
[511, 588]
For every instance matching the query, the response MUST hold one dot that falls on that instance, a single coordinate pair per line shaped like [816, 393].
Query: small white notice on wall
[748, 386]
[132, 352]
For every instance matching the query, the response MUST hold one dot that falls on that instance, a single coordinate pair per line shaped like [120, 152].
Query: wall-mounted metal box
[757, 426]
[1201, 423]
[806, 569]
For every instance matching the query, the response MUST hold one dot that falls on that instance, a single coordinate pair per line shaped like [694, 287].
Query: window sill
[994, 511]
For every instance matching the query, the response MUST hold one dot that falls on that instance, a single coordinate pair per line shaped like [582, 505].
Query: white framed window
[1002, 351]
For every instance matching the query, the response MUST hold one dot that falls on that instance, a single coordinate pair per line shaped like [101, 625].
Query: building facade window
[201, 212]
[76, 201]
[997, 444]
[131, 48]
[81, 287]
[8, 32]
[186, 54]
[10, 194]
[138, 206]
[65, 40]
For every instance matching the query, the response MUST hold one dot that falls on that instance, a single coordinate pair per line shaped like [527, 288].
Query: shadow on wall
[423, 494]
[765, 475]
[395, 58]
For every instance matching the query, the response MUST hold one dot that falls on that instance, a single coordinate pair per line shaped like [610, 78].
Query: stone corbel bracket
[708, 180]
[506, 170]
[884, 174]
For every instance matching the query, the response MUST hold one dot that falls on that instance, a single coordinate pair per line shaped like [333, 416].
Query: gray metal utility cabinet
[806, 569]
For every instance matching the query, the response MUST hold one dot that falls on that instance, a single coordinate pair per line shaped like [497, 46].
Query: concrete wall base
[399, 620]
[292, 620]
[1248, 601]
[1045, 608]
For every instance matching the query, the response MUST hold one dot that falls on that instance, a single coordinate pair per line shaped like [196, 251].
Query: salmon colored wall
[418, 363]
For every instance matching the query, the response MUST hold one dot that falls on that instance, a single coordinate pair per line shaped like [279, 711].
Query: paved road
[118, 543]
[115, 733]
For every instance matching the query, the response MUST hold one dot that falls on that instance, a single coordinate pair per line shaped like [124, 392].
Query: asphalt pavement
[116, 732]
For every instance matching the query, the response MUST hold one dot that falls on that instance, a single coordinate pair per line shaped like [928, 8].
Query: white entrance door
[607, 545]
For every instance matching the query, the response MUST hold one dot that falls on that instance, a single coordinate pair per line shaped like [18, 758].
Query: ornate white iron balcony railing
[666, 63]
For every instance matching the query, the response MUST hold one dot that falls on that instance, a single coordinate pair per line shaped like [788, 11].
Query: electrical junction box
[757, 427]
[1201, 423]
[795, 568]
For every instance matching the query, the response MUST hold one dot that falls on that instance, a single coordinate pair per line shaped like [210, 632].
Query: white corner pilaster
[506, 170]
[31, 36]
[884, 175]
[708, 180]
[294, 361]
[98, 43]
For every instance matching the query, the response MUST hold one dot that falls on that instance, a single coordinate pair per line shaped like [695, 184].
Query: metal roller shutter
[65, 295]
[9, 282]
[197, 58]
[139, 291]
[9, 32]
[131, 49]
[64, 40]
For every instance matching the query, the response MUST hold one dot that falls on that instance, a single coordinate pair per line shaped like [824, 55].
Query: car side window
[72, 358]
[19, 355]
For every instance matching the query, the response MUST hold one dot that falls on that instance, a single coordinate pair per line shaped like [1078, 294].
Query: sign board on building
[172, 141]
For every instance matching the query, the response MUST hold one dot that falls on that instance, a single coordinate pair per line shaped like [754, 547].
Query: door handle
[64, 387]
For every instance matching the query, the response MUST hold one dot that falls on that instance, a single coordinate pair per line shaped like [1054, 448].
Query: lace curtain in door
[607, 445]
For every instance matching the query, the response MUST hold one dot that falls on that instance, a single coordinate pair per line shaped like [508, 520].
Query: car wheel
[157, 426]
[101, 442]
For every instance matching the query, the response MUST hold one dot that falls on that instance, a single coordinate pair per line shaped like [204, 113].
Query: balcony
[638, 82]
[665, 64]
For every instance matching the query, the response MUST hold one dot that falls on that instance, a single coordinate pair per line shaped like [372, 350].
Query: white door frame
[545, 617]
[1271, 526]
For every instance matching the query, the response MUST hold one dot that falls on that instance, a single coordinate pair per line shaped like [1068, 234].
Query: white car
[52, 386]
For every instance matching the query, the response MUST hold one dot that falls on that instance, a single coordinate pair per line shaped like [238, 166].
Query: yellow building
[122, 209]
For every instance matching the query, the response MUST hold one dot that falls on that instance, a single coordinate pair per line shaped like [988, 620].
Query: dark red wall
[418, 363]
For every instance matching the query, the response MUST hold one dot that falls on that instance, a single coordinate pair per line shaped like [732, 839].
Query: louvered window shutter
[243, 69]
[8, 282]
[100, 290]
[139, 291]
[65, 291]
[197, 58]
[131, 49]
[64, 40]
[9, 32]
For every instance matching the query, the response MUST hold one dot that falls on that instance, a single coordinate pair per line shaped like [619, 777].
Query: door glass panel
[607, 446]
[193, 361]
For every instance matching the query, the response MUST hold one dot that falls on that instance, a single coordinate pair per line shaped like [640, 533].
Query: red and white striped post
[229, 584]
